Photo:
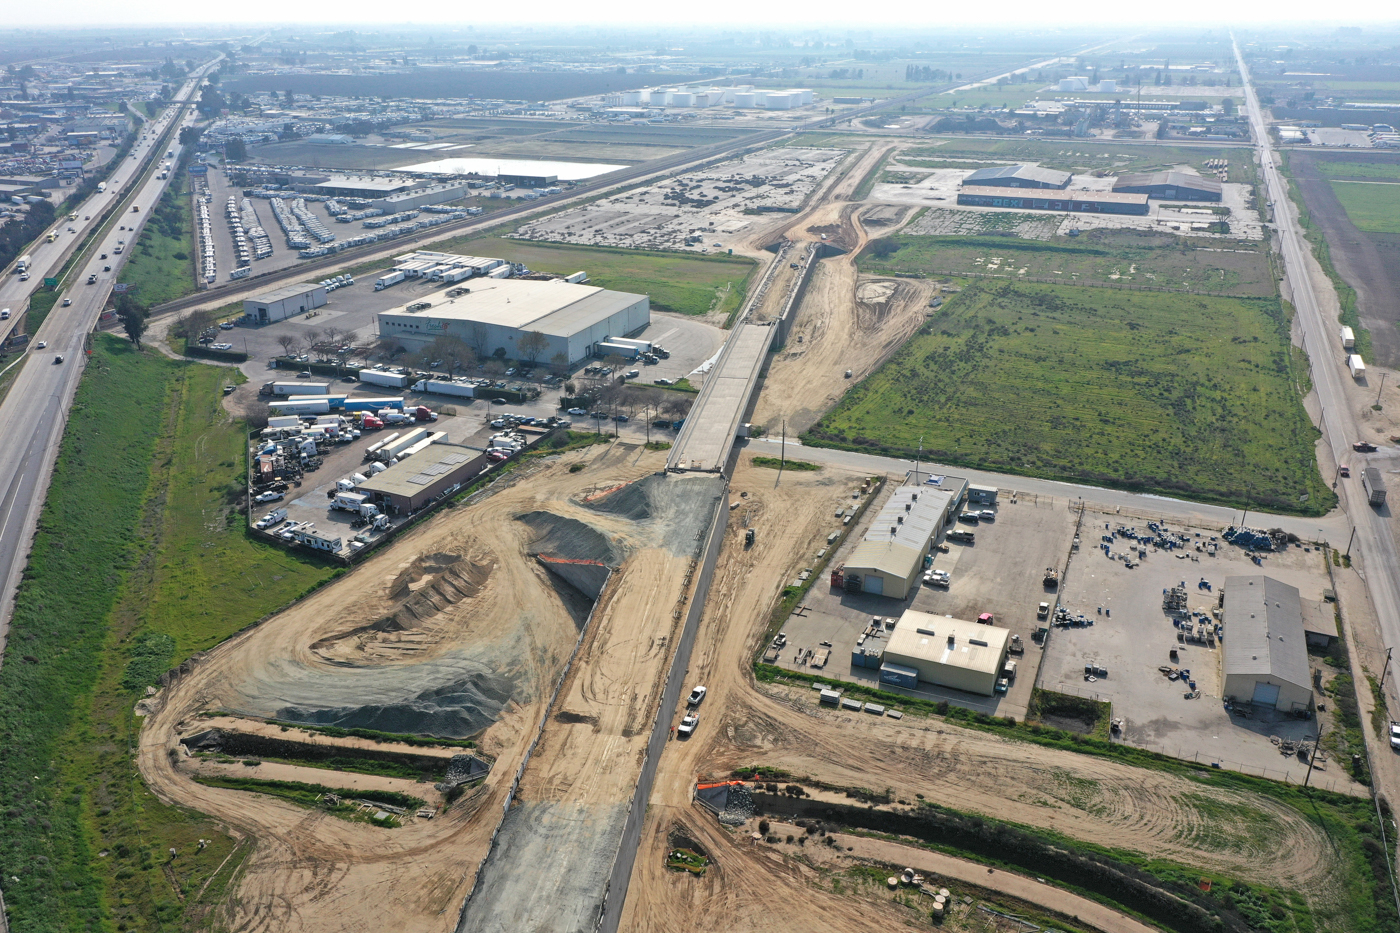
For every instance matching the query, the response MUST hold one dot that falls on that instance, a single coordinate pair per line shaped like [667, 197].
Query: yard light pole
[1380, 390]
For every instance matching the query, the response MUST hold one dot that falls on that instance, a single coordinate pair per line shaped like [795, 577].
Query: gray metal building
[1169, 186]
[284, 302]
[1266, 649]
[1018, 176]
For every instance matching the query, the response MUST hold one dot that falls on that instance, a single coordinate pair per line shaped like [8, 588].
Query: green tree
[236, 150]
[133, 318]
[532, 345]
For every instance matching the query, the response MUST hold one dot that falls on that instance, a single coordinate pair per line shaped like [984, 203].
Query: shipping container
[830, 697]
[391, 450]
[381, 378]
[578, 278]
[899, 676]
[1357, 367]
[1348, 338]
[1374, 485]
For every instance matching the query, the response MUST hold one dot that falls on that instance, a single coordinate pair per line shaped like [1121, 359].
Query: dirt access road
[455, 627]
[1097, 800]
[844, 322]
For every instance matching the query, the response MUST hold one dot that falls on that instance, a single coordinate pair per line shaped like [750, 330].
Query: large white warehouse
[496, 313]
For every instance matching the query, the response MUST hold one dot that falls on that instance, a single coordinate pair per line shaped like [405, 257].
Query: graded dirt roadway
[1097, 800]
[843, 322]
[456, 608]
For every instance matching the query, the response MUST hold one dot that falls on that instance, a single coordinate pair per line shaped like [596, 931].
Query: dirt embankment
[397, 642]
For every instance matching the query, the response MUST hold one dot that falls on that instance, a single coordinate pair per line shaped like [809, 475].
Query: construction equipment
[1052, 578]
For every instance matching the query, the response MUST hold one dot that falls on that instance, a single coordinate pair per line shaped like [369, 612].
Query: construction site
[542, 636]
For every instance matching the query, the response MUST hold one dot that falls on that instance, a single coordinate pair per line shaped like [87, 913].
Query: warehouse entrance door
[1266, 694]
[874, 583]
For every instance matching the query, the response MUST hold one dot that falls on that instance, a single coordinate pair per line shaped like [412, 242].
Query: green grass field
[1080, 156]
[140, 560]
[1338, 168]
[161, 263]
[1104, 257]
[1374, 208]
[675, 281]
[1183, 395]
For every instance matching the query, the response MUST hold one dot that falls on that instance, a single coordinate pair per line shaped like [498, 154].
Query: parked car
[687, 726]
[696, 695]
[987, 515]
[938, 578]
[633, 373]
[1394, 734]
[578, 412]
[269, 496]
[304, 374]
[620, 418]
[1364, 447]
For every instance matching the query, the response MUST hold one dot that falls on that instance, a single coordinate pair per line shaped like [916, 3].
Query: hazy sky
[717, 14]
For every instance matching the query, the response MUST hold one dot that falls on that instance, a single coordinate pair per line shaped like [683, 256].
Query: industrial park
[524, 478]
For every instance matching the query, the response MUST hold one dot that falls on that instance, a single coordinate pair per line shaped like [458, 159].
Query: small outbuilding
[284, 302]
[409, 485]
[946, 652]
[1266, 649]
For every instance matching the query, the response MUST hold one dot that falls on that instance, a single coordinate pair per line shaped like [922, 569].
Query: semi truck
[373, 404]
[101, 187]
[1348, 339]
[1356, 365]
[436, 387]
[381, 378]
[295, 388]
[642, 346]
[384, 281]
[1373, 484]
[612, 348]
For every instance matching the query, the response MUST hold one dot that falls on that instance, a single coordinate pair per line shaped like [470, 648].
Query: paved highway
[1377, 564]
[34, 412]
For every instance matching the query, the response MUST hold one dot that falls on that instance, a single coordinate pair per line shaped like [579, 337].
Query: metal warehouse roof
[1072, 194]
[1166, 180]
[573, 318]
[513, 303]
[285, 292]
[997, 175]
[889, 557]
[910, 517]
[973, 646]
[1264, 629]
[409, 477]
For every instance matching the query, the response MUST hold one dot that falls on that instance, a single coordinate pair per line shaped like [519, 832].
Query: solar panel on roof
[422, 479]
[454, 459]
[437, 469]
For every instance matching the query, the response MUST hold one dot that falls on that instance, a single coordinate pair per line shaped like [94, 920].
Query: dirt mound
[452, 711]
[569, 538]
[668, 510]
[631, 502]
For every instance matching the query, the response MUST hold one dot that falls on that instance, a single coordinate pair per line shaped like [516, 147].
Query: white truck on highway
[101, 187]
[22, 264]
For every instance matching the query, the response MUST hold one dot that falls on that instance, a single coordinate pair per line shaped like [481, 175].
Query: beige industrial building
[282, 303]
[1266, 652]
[948, 652]
[889, 558]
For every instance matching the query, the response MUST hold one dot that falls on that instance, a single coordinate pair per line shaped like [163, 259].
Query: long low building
[1266, 652]
[280, 304]
[1079, 202]
[409, 485]
[1169, 186]
[888, 560]
[497, 314]
[1017, 176]
[946, 652]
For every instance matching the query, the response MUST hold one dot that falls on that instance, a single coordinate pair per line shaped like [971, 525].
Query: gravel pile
[738, 810]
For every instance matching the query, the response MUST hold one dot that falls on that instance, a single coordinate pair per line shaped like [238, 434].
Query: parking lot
[1131, 637]
[1001, 573]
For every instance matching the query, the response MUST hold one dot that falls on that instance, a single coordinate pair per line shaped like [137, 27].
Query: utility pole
[1349, 540]
[782, 454]
[1386, 669]
[917, 457]
[1381, 389]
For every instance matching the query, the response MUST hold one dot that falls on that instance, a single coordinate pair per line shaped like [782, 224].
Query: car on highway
[103, 256]
[41, 344]
[578, 412]
[106, 268]
[58, 359]
[269, 496]
[92, 279]
[687, 726]
[696, 696]
[1344, 471]
[67, 302]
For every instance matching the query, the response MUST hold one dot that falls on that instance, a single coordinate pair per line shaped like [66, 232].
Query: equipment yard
[700, 210]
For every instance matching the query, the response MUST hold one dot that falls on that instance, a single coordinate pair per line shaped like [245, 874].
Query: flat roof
[387, 185]
[1070, 194]
[410, 477]
[891, 557]
[547, 306]
[1264, 629]
[910, 517]
[286, 291]
[924, 636]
